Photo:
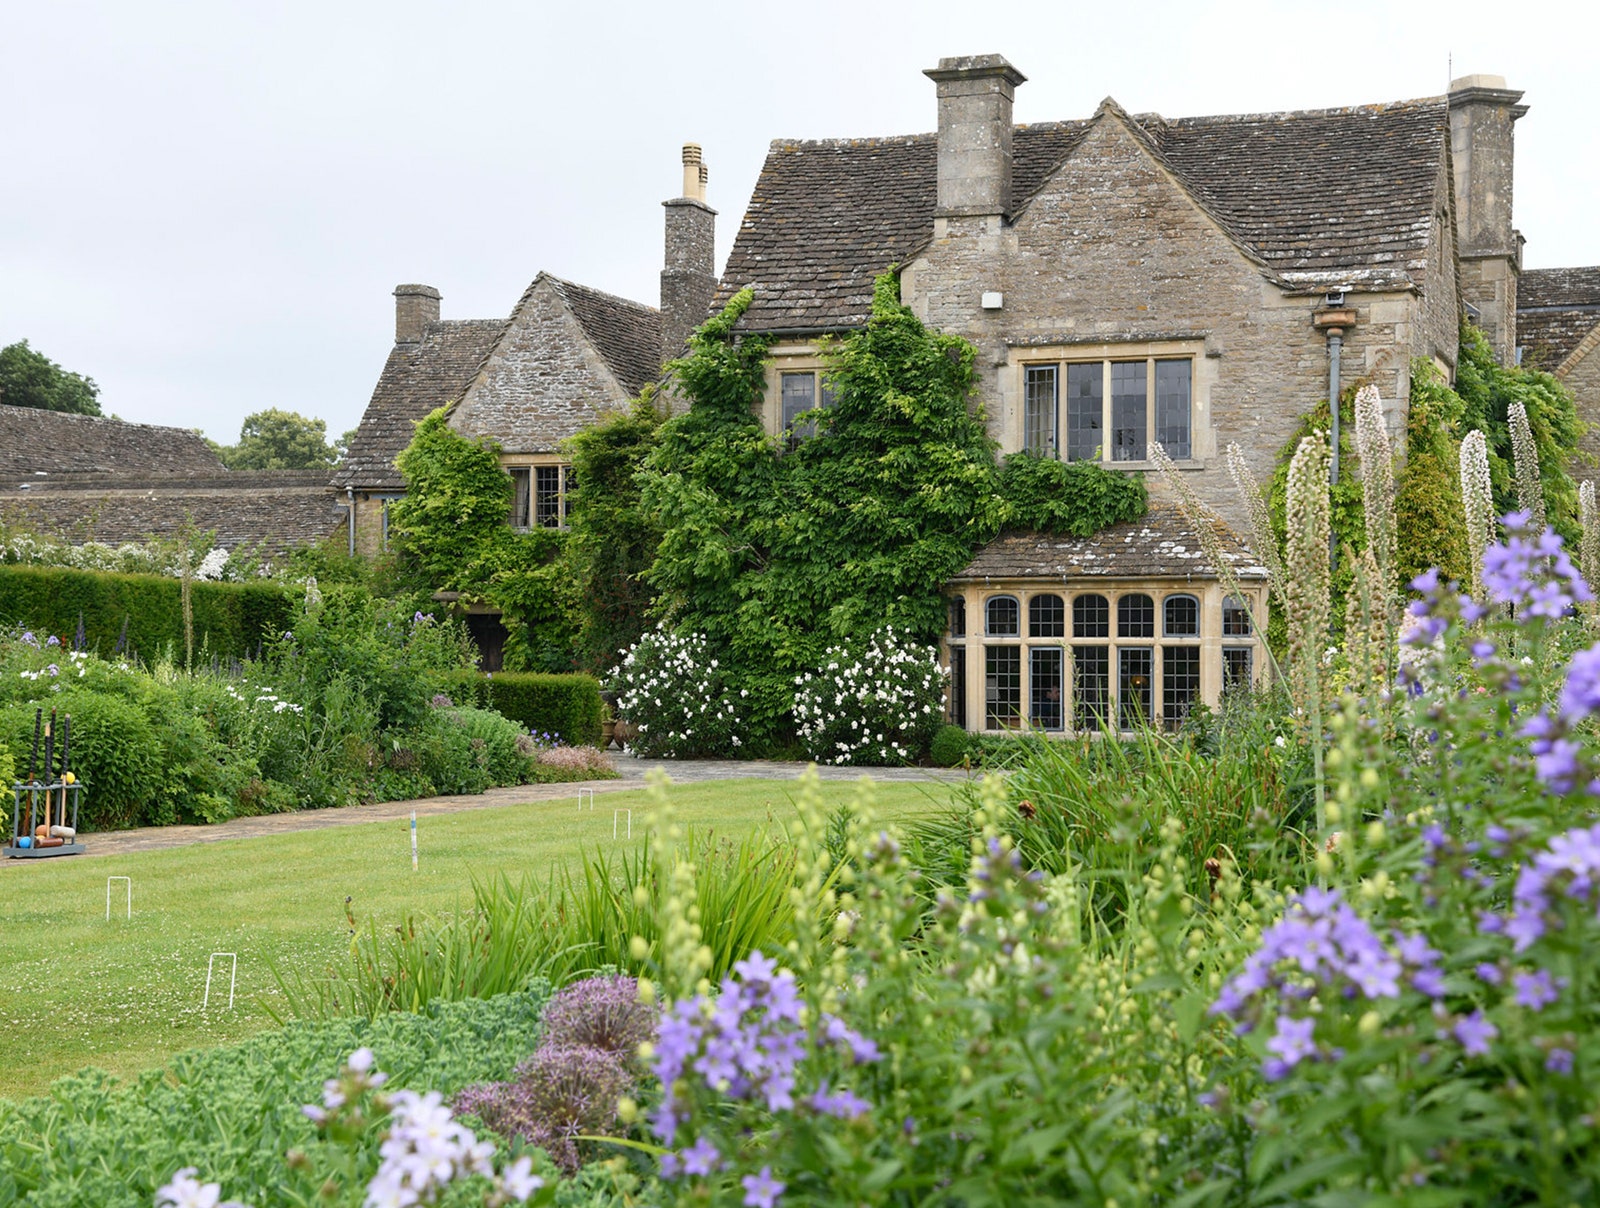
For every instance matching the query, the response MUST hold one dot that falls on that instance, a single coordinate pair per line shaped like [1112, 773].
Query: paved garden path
[632, 769]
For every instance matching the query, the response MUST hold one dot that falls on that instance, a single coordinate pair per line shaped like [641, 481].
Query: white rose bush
[871, 703]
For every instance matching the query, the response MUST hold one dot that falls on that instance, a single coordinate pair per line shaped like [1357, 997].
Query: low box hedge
[567, 705]
[230, 619]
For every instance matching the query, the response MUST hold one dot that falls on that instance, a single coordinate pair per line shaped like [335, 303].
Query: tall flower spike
[1255, 506]
[1377, 488]
[1477, 501]
[1309, 573]
[1589, 541]
[1525, 459]
[1201, 519]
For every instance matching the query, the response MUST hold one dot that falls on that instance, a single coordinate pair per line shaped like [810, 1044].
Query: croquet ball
[25, 841]
[68, 778]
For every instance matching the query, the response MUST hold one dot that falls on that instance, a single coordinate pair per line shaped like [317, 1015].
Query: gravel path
[632, 769]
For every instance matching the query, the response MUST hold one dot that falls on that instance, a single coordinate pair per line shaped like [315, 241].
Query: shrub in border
[568, 705]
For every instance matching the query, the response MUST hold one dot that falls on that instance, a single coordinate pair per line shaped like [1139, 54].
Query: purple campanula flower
[1536, 991]
[1533, 573]
[1580, 695]
[844, 1104]
[1293, 1041]
[761, 1190]
[1474, 1033]
[1490, 973]
[1559, 1061]
[701, 1158]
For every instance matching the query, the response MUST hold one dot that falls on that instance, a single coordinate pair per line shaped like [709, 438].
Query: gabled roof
[35, 442]
[1319, 197]
[1556, 309]
[1159, 545]
[626, 334]
[417, 379]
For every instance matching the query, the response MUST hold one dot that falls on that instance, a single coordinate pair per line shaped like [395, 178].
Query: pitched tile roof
[1316, 195]
[269, 510]
[626, 334]
[55, 443]
[1160, 545]
[416, 379]
[1556, 309]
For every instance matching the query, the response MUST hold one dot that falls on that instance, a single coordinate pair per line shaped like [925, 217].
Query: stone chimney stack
[1482, 111]
[688, 275]
[415, 306]
[975, 97]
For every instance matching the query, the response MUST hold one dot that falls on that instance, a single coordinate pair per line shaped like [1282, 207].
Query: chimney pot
[688, 275]
[415, 306]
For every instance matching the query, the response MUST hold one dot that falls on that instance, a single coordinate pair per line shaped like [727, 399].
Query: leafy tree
[31, 379]
[279, 440]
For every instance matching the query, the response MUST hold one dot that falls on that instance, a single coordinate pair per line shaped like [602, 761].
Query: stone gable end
[1113, 253]
[543, 382]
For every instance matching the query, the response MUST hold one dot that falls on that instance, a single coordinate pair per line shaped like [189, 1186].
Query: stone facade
[1215, 254]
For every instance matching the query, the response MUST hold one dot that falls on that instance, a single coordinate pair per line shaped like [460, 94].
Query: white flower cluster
[262, 696]
[876, 703]
[676, 697]
[427, 1148]
[127, 558]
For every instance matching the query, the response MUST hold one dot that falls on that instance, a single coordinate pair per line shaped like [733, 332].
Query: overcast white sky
[205, 206]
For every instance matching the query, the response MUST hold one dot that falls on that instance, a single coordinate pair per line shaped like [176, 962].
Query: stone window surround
[1210, 642]
[528, 461]
[1202, 376]
[782, 359]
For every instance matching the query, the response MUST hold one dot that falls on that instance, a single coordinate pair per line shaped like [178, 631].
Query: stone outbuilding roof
[417, 379]
[1556, 309]
[265, 510]
[1318, 197]
[1159, 545]
[36, 443]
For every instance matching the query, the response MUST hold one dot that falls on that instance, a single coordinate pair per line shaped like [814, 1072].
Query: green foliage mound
[31, 379]
[564, 705]
[234, 1112]
[949, 747]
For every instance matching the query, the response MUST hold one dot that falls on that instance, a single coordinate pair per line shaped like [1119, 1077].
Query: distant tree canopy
[31, 379]
[279, 440]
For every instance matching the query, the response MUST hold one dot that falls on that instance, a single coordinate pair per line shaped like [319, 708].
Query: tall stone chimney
[975, 97]
[688, 275]
[415, 306]
[1482, 111]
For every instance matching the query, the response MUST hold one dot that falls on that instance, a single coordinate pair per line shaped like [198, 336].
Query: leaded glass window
[1136, 616]
[1002, 694]
[1039, 410]
[1004, 617]
[1181, 617]
[1047, 617]
[1091, 686]
[1134, 673]
[1180, 683]
[1128, 395]
[1085, 389]
[1172, 407]
[1044, 688]
[1091, 617]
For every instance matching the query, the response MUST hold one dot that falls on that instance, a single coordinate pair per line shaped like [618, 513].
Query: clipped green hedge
[230, 619]
[234, 1112]
[568, 705]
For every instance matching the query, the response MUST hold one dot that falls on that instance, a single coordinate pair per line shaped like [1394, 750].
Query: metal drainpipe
[1335, 343]
[350, 508]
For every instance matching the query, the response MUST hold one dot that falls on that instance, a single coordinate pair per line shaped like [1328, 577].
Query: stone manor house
[1126, 278]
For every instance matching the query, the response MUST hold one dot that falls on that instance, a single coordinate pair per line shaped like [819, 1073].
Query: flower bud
[647, 990]
[1324, 863]
[638, 948]
[627, 1110]
[1369, 1023]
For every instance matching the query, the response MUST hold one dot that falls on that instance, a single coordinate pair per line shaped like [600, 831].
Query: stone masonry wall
[1113, 249]
[543, 383]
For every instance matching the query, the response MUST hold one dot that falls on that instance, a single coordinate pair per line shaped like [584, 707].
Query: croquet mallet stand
[28, 807]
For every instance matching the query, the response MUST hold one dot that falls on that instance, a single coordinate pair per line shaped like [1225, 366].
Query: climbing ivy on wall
[1429, 525]
[451, 527]
[776, 555]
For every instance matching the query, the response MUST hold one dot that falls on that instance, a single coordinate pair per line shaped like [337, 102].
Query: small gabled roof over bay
[1320, 197]
[1160, 545]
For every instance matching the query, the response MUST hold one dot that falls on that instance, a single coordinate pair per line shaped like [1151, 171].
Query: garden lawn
[125, 995]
